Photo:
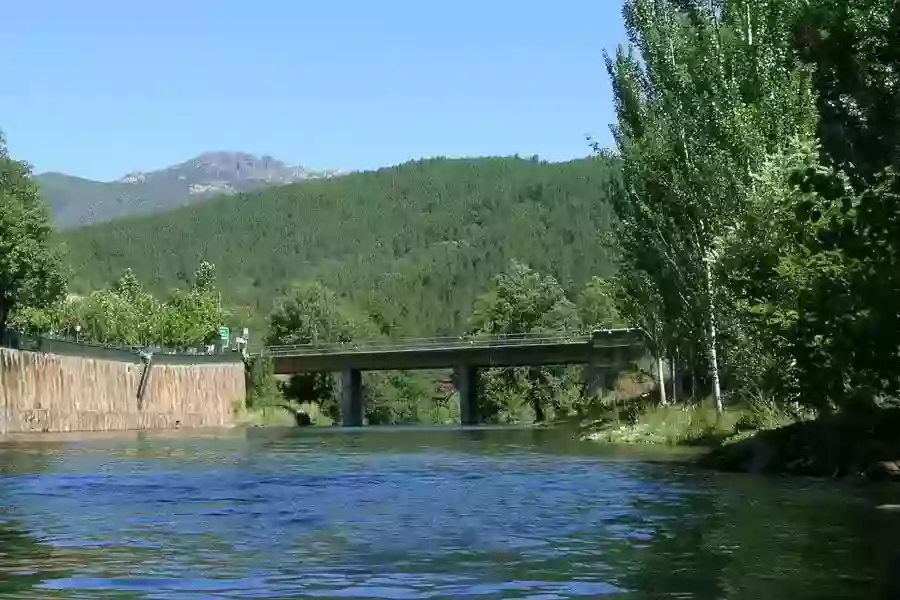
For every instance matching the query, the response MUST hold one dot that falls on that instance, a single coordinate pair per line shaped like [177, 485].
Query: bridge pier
[596, 379]
[467, 386]
[351, 398]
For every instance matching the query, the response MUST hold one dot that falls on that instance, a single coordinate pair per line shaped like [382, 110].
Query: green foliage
[408, 397]
[191, 318]
[848, 326]
[205, 277]
[669, 425]
[312, 314]
[761, 144]
[713, 93]
[763, 414]
[814, 266]
[125, 315]
[31, 273]
[409, 246]
[597, 305]
[262, 387]
[522, 300]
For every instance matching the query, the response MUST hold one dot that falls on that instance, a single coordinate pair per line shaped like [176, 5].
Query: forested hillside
[411, 245]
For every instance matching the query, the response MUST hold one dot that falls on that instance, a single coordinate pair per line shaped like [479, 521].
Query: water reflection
[423, 514]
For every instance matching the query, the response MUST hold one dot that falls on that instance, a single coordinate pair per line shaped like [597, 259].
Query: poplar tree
[705, 92]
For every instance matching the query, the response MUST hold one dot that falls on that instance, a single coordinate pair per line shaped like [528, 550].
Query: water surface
[422, 514]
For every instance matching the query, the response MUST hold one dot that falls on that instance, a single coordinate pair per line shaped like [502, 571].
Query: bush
[669, 425]
[262, 386]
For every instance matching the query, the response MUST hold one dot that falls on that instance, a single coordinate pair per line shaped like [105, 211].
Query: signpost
[224, 335]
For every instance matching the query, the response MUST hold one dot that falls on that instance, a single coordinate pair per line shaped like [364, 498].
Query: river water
[430, 513]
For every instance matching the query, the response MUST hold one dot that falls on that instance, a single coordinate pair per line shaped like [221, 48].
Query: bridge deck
[608, 347]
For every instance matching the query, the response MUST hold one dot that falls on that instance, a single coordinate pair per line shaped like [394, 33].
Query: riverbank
[834, 446]
[280, 413]
[763, 439]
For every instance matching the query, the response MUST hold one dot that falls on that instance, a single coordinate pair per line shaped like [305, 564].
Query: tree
[127, 286]
[597, 305]
[815, 267]
[190, 318]
[262, 386]
[58, 318]
[640, 301]
[769, 271]
[31, 273]
[205, 277]
[713, 92]
[847, 345]
[313, 314]
[522, 300]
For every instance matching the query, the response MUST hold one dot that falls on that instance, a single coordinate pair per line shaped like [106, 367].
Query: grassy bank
[641, 421]
[280, 414]
[671, 425]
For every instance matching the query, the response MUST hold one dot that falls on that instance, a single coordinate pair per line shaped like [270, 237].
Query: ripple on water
[321, 516]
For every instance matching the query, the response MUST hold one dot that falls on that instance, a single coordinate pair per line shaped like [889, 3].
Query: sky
[101, 88]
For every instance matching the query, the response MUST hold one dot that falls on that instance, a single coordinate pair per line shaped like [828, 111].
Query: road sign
[224, 334]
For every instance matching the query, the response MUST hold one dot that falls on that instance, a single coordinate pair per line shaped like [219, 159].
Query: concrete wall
[52, 392]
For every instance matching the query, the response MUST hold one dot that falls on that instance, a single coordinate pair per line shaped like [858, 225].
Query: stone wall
[42, 392]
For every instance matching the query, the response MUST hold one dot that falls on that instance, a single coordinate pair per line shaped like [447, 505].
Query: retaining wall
[50, 392]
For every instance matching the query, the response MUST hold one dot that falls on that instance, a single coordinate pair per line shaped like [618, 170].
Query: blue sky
[99, 88]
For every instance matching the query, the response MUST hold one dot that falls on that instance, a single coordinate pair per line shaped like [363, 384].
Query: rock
[884, 469]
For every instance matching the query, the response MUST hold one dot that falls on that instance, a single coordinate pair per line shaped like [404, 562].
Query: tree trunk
[711, 341]
[534, 377]
[662, 381]
[674, 376]
[4, 315]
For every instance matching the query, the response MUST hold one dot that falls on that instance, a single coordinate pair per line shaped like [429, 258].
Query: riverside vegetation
[748, 222]
[759, 214]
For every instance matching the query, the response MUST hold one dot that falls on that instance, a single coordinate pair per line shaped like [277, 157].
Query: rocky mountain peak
[77, 201]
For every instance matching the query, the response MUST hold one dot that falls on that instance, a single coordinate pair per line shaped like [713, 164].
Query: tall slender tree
[704, 94]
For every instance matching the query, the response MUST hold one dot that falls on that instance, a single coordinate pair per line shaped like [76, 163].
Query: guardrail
[455, 343]
[69, 347]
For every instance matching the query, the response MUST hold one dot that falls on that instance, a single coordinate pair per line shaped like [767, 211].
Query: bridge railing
[70, 347]
[604, 337]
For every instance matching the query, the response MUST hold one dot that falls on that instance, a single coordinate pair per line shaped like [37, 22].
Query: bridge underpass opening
[596, 378]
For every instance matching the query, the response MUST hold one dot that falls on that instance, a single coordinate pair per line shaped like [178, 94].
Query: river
[422, 513]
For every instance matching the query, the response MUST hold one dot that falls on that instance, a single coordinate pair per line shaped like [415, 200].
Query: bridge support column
[596, 378]
[467, 386]
[351, 398]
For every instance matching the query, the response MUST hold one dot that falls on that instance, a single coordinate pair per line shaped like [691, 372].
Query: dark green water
[422, 514]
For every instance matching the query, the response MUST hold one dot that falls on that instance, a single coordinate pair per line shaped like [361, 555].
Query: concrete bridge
[601, 351]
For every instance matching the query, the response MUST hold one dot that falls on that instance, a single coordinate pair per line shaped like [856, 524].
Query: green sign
[223, 333]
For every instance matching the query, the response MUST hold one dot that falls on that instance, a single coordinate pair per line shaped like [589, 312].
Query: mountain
[410, 245]
[75, 201]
